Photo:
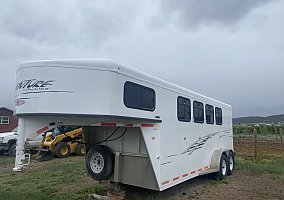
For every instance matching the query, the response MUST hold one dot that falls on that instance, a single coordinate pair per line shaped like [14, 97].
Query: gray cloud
[191, 14]
[69, 21]
[243, 67]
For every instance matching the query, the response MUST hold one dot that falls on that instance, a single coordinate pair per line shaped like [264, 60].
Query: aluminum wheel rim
[97, 163]
[224, 167]
[231, 163]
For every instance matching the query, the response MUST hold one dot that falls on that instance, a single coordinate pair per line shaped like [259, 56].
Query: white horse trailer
[138, 130]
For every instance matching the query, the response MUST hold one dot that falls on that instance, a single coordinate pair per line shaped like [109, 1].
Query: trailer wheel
[62, 150]
[12, 149]
[99, 162]
[80, 149]
[231, 163]
[222, 173]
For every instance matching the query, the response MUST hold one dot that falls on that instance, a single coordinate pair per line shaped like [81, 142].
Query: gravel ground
[241, 185]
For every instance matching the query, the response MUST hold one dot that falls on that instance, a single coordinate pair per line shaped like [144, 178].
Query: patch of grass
[92, 189]
[66, 178]
[56, 179]
[271, 164]
[7, 195]
[6, 160]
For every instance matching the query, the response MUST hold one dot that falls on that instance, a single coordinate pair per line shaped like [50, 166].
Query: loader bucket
[44, 156]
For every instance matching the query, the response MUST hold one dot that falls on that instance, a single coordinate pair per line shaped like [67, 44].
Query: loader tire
[80, 149]
[62, 150]
[100, 162]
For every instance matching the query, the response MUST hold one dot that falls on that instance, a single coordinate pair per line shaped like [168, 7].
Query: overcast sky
[230, 50]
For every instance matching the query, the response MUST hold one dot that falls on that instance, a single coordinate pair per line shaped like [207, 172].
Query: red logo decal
[19, 102]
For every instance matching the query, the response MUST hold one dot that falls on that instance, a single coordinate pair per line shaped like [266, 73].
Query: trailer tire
[80, 149]
[100, 162]
[222, 173]
[231, 163]
[62, 150]
[12, 149]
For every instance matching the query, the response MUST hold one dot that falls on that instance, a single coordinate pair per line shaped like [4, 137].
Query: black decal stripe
[201, 142]
[48, 92]
[171, 155]
[166, 163]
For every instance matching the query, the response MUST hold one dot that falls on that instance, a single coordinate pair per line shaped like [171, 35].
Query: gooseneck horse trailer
[138, 130]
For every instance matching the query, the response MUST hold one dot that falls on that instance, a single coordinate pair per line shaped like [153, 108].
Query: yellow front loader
[64, 143]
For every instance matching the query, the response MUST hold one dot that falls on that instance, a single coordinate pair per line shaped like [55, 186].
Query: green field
[55, 179]
[67, 178]
[267, 163]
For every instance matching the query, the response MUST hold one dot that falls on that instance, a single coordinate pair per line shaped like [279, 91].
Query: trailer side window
[209, 114]
[218, 113]
[183, 109]
[198, 112]
[139, 97]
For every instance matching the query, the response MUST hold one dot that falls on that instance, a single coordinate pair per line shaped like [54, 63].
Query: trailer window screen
[198, 112]
[183, 109]
[209, 114]
[218, 113]
[139, 97]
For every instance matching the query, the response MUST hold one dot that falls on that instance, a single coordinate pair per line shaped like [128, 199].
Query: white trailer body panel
[91, 92]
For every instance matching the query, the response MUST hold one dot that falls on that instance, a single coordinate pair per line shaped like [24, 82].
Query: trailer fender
[215, 158]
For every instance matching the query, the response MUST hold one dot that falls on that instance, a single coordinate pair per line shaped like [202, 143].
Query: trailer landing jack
[116, 193]
[111, 195]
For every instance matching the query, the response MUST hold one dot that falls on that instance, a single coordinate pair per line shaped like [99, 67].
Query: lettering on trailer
[34, 84]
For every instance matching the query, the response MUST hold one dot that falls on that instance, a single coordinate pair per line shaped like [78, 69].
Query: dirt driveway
[242, 185]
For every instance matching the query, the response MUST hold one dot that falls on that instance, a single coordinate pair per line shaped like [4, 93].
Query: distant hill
[273, 119]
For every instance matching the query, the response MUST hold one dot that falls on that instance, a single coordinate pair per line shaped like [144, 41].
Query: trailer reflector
[115, 124]
[184, 175]
[147, 125]
[108, 124]
[165, 182]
